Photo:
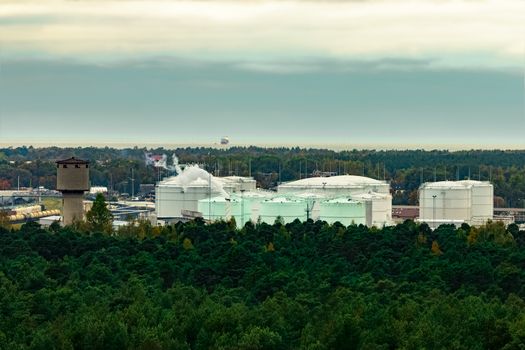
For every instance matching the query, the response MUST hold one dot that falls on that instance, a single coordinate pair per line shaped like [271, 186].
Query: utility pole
[242, 208]
[434, 211]
[132, 185]
[209, 190]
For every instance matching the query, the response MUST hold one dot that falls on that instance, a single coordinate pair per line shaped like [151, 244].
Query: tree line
[405, 170]
[304, 285]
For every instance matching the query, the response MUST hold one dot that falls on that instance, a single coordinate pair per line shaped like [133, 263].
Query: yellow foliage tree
[421, 239]
[4, 220]
[270, 247]
[435, 248]
[186, 244]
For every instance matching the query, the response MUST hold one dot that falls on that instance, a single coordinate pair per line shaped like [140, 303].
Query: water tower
[72, 181]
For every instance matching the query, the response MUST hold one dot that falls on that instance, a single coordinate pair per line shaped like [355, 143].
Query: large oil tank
[223, 208]
[285, 208]
[344, 210]
[455, 202]
[482, 203]
[172, 199]
[252, 202]
[381, 211]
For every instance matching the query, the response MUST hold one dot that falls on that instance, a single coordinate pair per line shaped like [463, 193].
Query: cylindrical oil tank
[171, 200]
[222, 208]
[482, 202]
[343, 210]
[285, 208]
[313, 200]
[252, 202]
[456, 201]
[339, 186]
[381, 207]
[444, 201]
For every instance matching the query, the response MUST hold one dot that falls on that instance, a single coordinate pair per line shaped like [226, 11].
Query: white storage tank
[223, 208]
[285, 208]
[482, 203]
[381, 207]
[181, 193]
[456, 202]
[252, 202]
[343, 185]
[345, 210]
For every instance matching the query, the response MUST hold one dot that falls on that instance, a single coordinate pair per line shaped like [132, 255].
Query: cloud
[264, 36]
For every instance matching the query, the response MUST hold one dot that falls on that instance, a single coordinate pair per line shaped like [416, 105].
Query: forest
[405, 170]
[304, 285]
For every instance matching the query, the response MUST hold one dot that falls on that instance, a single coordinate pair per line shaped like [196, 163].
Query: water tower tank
[72, 181]
[72, 175]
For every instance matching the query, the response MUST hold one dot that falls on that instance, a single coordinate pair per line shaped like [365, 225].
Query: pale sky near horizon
[400, 74]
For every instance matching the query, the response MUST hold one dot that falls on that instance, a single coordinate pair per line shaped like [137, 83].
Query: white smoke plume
[176, 165]
[190, 175]
[193, 174]
[161, 161]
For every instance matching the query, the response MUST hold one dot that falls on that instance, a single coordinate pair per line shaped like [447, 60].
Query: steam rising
[191, 175]
[161, 161]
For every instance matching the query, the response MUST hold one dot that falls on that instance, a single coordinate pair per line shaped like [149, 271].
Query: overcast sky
[446, 74]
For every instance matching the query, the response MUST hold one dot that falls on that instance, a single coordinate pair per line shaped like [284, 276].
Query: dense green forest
[305, 285]
[405, 170]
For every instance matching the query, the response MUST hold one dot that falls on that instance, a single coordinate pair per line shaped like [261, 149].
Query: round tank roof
[341, 200]
[334, 181]
[283, 200]
[219, 199]
[454, 184]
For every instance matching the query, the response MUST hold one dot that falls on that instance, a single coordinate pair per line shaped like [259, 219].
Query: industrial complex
[196, 193]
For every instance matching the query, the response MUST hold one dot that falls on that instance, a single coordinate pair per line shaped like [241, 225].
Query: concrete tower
[72, 181]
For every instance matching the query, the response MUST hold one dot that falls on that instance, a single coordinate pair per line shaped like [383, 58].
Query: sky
[342, 74]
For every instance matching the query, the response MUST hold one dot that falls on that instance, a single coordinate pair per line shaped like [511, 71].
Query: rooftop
[455, 184]
[72, 160]
[334, 181]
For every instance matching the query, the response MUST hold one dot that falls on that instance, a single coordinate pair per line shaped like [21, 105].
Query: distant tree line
[405, 170]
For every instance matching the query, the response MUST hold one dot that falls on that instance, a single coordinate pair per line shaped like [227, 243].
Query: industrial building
[180, 194]
[347, 199]
[456, 202]
[351, 187]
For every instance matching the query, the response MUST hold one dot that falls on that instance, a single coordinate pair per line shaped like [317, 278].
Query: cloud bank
[263, 35]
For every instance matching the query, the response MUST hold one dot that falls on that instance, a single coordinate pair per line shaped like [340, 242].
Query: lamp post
[209, 191]
[242, 207]
[434, 210]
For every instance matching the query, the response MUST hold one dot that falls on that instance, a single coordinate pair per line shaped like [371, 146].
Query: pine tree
[99, 217]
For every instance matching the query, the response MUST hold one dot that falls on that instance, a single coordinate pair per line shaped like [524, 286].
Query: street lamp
[242, 208]
[434, 211]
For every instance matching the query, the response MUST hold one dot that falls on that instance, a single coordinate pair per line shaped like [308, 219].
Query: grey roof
[72, 160]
